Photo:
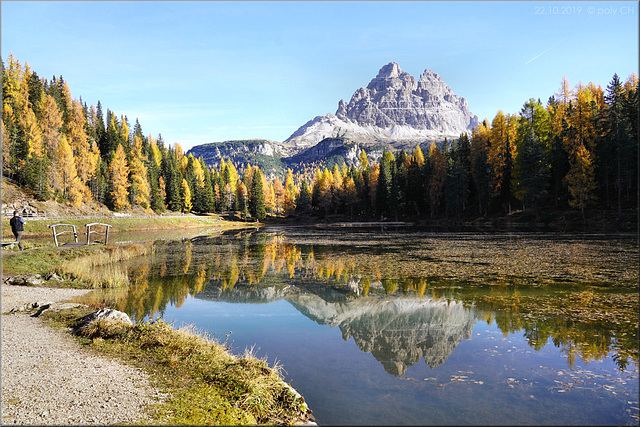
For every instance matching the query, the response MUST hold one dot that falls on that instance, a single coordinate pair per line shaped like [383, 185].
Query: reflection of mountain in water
[397, 332]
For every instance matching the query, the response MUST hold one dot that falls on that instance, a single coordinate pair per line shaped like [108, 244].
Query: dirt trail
[48, 379]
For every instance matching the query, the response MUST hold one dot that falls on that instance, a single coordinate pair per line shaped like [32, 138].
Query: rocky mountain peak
[392, 69]
[391, 77]
[393, 107]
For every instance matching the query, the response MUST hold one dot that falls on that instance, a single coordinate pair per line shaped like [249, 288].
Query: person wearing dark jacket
[17, 226]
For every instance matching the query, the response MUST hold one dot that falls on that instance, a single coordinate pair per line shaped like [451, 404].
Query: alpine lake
[377, 326]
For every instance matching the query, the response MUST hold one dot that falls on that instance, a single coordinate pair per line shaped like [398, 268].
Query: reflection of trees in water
[257, 261]
[587, 340]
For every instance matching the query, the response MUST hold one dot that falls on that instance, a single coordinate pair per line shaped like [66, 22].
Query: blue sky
[198, 72]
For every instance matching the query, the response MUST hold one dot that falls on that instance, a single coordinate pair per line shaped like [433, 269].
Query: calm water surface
[378, 327]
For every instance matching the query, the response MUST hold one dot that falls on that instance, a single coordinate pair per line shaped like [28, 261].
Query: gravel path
[47, 378]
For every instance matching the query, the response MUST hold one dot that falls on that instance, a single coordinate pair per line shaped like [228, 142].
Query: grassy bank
[205, 384]
[77, 265]
[39, 227]
[132, 228]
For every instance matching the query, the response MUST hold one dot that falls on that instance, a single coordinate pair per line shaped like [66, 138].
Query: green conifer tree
[256, 201]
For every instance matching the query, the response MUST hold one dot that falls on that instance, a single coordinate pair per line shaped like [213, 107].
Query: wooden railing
[55, 235]
[105, 233]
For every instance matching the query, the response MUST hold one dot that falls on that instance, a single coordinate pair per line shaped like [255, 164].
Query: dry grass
[111, 273]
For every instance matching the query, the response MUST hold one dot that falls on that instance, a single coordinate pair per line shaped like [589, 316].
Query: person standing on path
[17, 226]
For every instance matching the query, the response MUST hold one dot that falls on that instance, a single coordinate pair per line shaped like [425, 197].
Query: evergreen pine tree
[535, 174]
[614, 131]
[383, 188]
[304, 199]
[256, 204]
[581, 179]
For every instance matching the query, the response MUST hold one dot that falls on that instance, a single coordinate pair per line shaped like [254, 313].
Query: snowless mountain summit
[393, 107]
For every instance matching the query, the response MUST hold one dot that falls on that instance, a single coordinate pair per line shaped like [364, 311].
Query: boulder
[52, 276]
[41, 306]
[24, 280]
[106, 314]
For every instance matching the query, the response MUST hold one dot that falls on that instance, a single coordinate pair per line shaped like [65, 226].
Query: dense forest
[578, 151]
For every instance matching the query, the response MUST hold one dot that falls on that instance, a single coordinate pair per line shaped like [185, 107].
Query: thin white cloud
[542, 53]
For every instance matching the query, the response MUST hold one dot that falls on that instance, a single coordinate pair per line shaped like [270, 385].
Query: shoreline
[49, 379]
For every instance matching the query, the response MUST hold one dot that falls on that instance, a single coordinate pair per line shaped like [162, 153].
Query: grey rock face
[349, 151]
[393, 107]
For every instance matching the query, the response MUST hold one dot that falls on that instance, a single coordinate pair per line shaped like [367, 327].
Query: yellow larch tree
[77, 138]
[363, 160]
[185, 193]
[139, 184]
[71, 184]
[243, 199]
[184, 162]
[418, 155]
[584, 117]
[51, 122]
[289, 204]
[198, 172]
[278, 190]
[33, 135]
[11, 78]
[270, 202]
[349, 193]
[336, 188]
[325, 190]
[119, 173]
[179, 152]
[290, 193]
[157, 156]
[163, 191]
[66, 97]
[124, 128]
[565, 94]
[373, 183]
